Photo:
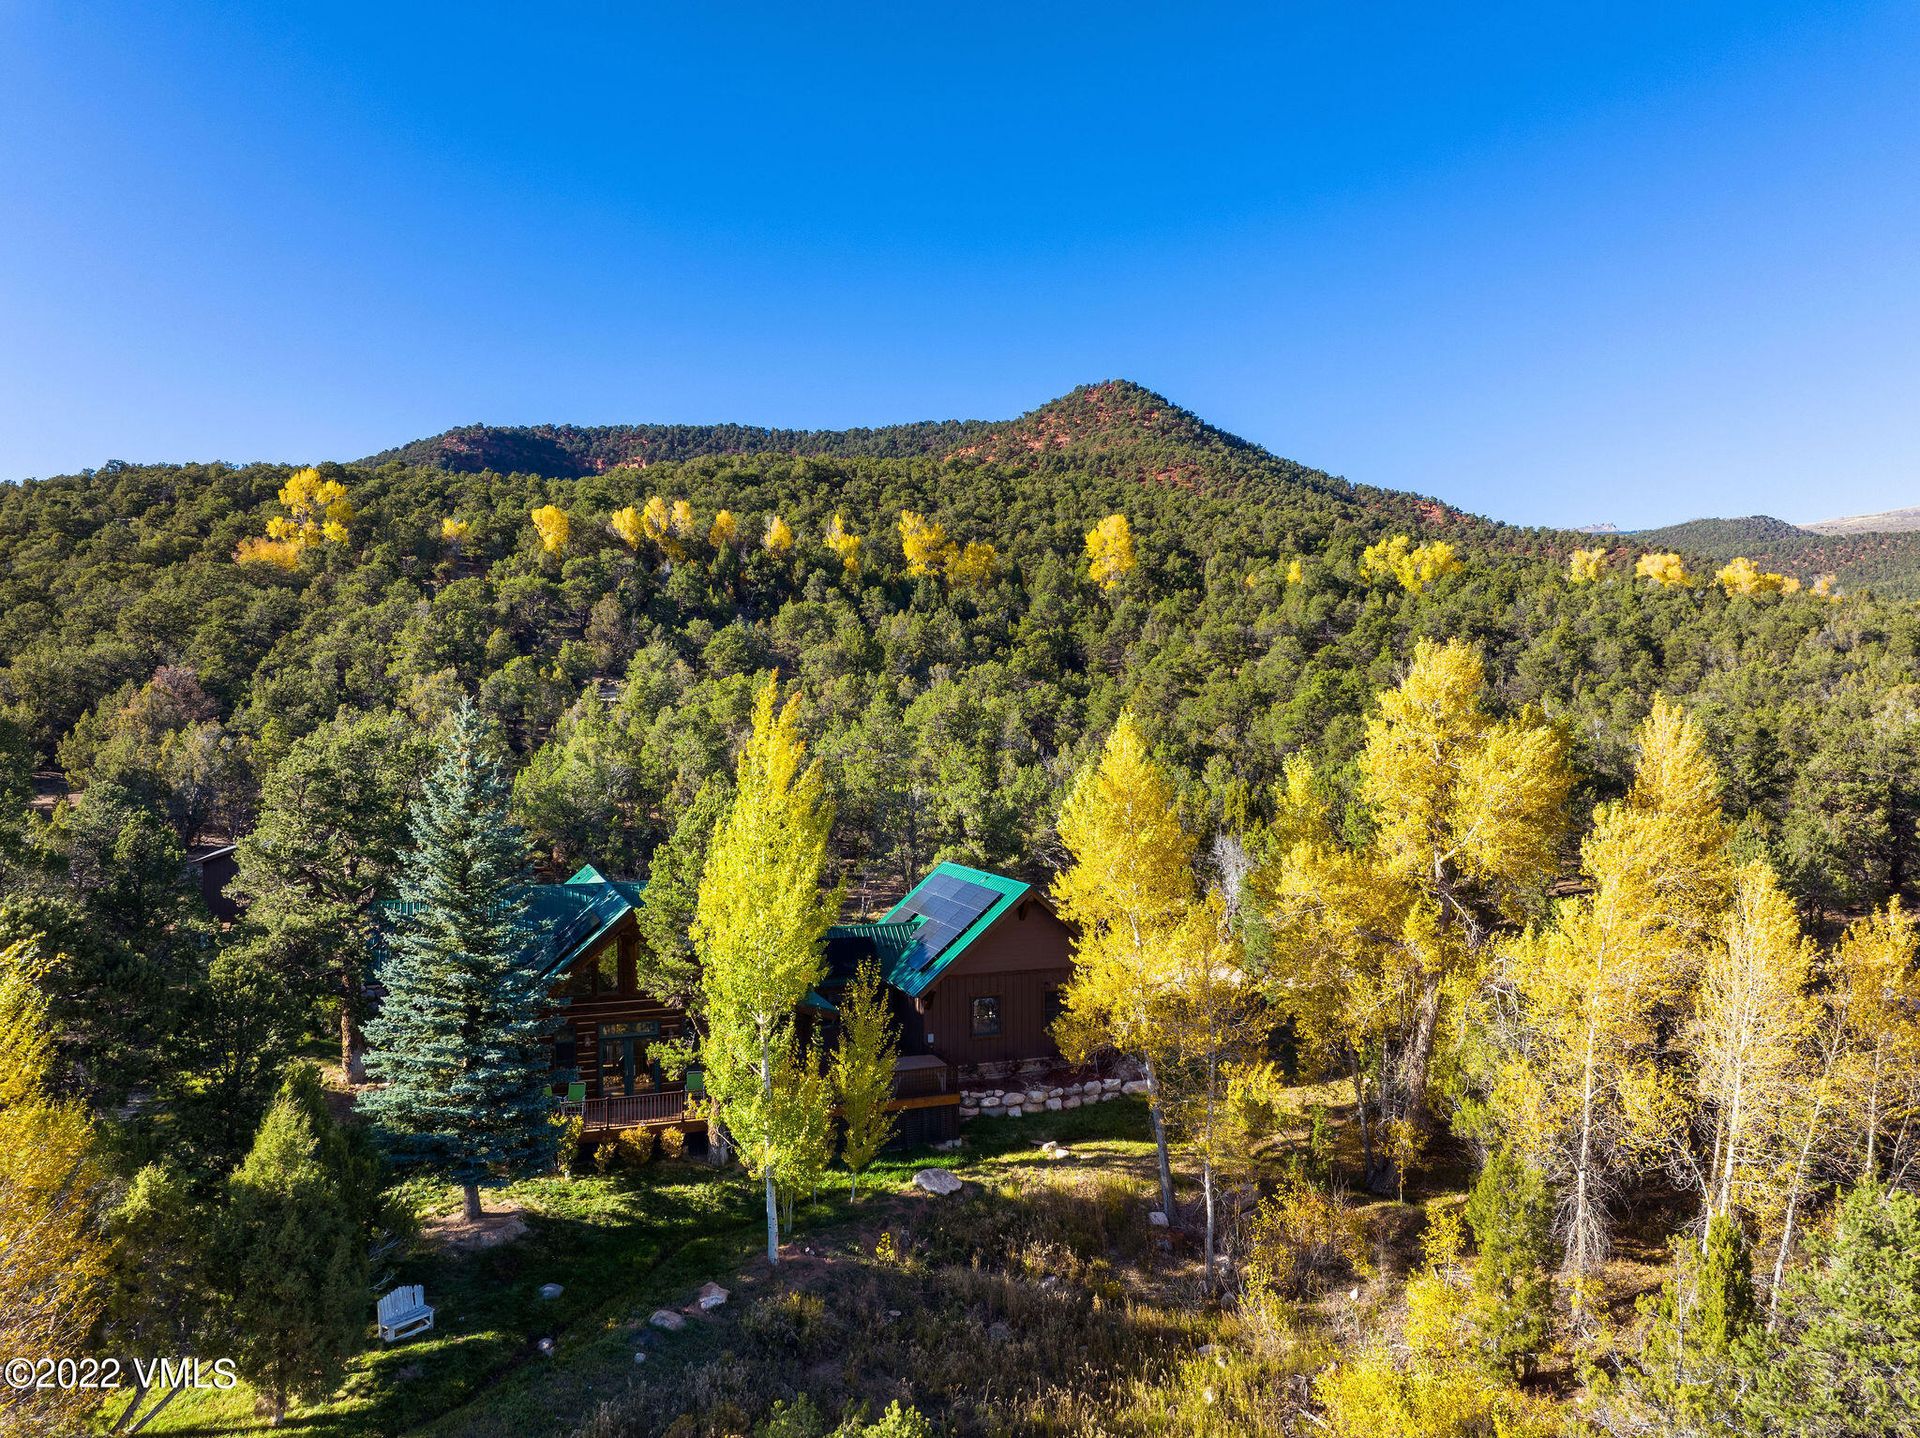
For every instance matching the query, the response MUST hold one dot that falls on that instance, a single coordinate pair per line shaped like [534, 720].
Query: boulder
[1156, 1219]
[640, 1356]
[1012, 1110]
[1134, 1086]
[1054, 1104]
[551, 1290]
[1035, 1097]
[937, 1180]
[669, 1320]
[712, 1295]
[1072, 1100]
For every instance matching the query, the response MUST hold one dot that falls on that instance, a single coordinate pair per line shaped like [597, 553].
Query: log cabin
[974, 963]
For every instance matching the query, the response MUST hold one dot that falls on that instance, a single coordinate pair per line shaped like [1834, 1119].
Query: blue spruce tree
[458, 1046]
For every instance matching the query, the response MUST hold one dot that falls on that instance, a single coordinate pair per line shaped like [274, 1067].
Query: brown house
[976, 963]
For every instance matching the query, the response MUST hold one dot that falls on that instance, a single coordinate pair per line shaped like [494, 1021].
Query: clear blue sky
[1554, 263]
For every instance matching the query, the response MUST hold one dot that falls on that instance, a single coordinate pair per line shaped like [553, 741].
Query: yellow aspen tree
[52, 1260]
[863, 1072]
[454, 532]
[1585, 566]
[1215, 1030]
[1110, 551]
[1468, 811]
[258, 549]
[778, 538]
[1877, 989]
[973, 567]
[1667, 570]
[1750, 1021]
[844, 543]
[1743, 576]
[1411, 566]
[554, 525]
[925, 543]
[317, 510]
[760, 922]
[1580, 1089]
[1129, 892]
[626, 523]
[725, 528]
[681, 525]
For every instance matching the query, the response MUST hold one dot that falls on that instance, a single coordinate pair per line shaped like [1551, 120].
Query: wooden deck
[641, 1110]
[919, 1083]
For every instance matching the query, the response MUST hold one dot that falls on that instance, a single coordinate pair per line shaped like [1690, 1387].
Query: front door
[624, 1069]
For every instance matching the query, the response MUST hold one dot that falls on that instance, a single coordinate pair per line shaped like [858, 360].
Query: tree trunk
[152, 1413]
[1419, 1058]
[470, 1201]
[1206, 1189]
[766, 1171]
[1360, 1112]
[353, 1061]
[1160, 1144]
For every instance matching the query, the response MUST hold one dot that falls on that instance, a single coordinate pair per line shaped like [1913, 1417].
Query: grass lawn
[620, 1247]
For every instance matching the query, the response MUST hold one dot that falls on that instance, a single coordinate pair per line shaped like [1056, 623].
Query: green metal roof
[922, 935]
[563, 921]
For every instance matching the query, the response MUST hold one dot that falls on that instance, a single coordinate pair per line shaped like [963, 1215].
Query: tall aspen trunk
[766, 1169]
[1581, 1255]
[1360, 1111]
[1160, 1144]
[1426, 1027]
[1206, 1188]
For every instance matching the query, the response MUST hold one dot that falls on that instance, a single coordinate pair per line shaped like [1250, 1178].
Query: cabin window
[566, 1051]
[625, 1065]
[606, 970]
[986, 1016]
[577, 983]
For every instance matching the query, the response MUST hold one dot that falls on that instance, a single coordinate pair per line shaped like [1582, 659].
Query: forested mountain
[949, 690]
[1887, 562]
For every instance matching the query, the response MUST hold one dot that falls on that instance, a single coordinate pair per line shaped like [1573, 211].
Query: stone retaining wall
[1041, 1098]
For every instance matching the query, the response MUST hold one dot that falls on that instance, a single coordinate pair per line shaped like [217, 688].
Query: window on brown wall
[606, 970]
[986, 1017]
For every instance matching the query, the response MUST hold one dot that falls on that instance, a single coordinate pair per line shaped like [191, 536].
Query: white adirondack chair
[404, 1312]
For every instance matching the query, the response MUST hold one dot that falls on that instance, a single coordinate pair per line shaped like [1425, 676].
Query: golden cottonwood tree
[626, 523]
[52, 1260]
[1751, 1020]
[1110, 551]
[1130, 894]
[725, 528]
[1877, 990]
[759, 924]
[1581, 1089]
[1585, 566]
[1412, 566]
[844, 543]
[778, 538]
[1467, 812]
[973, 566]
[1669, 570]
[924, 542]
[863, 1071]
[554, 525]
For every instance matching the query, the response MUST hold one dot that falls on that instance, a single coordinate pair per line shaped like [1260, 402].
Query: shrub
[567, 1149]
[634, 1148]
[673, 1142]
[1302, 1241]
[603, 1157]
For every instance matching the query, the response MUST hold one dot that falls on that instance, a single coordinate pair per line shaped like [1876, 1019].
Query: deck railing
[630, 1110]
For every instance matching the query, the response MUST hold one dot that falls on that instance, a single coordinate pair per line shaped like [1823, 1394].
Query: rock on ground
[712, 1295]
[937, 1180]
[666, 1318]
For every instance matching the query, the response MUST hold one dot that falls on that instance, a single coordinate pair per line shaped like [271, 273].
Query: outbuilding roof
[919, 937]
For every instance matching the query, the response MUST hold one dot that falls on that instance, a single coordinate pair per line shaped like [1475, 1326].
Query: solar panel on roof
[948, 907]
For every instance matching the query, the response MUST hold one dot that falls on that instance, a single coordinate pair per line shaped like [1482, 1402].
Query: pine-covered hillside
[1887, 562]
[933, 592]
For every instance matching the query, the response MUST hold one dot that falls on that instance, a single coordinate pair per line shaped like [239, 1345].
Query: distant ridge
[1887, 521]
[1114, 427]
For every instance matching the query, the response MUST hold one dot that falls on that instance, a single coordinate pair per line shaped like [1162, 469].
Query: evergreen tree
[863, 1071]
[459, 1045]
[668, 968]
[293, 1262]
[760, 923]
[1511, 1215]
[332, 827]
[1844, 1361]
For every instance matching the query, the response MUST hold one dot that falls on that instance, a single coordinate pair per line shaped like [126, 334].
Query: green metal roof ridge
[1011, 891]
